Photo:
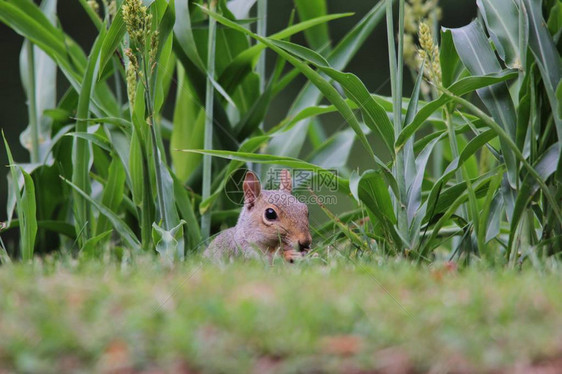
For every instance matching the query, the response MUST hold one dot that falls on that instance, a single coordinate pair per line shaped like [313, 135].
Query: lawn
[433, 184]
[252, 317]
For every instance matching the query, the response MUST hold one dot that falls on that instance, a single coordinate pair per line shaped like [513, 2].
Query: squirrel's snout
[304, 245]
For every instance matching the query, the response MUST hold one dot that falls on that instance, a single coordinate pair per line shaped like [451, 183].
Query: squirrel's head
[273, 219]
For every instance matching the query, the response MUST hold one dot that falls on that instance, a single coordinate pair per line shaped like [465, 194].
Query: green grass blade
[472, 147]
[370, 188]
[489, 220]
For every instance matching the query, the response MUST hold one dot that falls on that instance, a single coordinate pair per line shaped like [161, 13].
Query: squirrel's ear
[252, 189]
[286, 183]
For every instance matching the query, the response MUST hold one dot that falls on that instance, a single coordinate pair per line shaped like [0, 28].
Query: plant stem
[262, 31]
[155, 150]
[33, 120]
[396, 79]
[208, 143]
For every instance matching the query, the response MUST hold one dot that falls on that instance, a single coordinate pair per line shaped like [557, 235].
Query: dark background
[370, 64]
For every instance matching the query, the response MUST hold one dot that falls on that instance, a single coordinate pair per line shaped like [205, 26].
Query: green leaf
[81, 158]
[25, 204]
[545, 166]
[94, 138]
[414, 192]
[374, 114]
[371, 189]
[461, 87]
[290, 162]
[169, 243]
[489, 122]
[449, 59]
[187, 214]
[113, 193]
[114, 37]
[478, 57]
[242, 64]
[29, 211]
[409, 156]
[490, 215]
[329, 92]
[39, 75]
[118, 223]
[302, 52]
[290, 143]
[456, 196]
[335, 151]
[183, 34]
[546, 55]
[188, 130]
[472, 147]
[502, 21]
[91, 248]
[318, 37]
[248, 146]
[166, 25]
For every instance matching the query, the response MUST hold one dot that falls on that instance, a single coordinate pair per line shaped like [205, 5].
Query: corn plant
[109, 168]
[104, 158]
[508, 210]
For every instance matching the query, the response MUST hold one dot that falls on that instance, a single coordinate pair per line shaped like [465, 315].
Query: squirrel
[270, 221]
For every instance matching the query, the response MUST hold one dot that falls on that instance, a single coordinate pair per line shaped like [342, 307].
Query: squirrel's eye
[270, 214]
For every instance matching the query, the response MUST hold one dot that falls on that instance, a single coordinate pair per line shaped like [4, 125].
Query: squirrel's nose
[304, 245]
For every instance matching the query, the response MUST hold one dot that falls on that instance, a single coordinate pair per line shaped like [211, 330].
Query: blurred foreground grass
[247, 318]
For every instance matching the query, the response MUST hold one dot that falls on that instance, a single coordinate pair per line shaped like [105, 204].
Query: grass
[112, 171]
[312, 317]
